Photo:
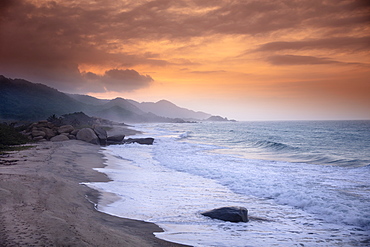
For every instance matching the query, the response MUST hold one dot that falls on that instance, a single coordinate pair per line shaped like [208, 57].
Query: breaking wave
[274, 145]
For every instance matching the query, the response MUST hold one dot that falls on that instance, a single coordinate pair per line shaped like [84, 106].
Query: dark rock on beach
[87, 135]
[49, 133]
[116, 139]
[232, 214]
[101, 133]
[144, 141]
[59, 138]
[36, 133]
[65, 129]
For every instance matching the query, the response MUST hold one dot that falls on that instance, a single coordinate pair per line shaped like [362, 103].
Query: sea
[304, 183]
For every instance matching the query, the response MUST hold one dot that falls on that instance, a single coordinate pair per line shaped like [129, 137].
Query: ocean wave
[332, 160]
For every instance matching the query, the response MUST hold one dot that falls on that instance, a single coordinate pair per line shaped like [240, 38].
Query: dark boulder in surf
[232, 214]
[117, 139]
[144, 141]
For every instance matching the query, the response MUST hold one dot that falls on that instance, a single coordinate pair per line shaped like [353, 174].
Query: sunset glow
[247, 60]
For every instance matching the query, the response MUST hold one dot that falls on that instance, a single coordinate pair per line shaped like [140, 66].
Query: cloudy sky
[243, 59]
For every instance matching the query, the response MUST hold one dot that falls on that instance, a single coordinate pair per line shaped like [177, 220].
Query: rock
[42, 123]
[87, 135]
[33, 125]
[59, 138]
[232, 214]
[49, 133]
[36, 133]
[72, 137]
[75, 132]
[102, 134]
[38, 138]
[117, 139]
[50, 125]
[145, 141]
[65, 129]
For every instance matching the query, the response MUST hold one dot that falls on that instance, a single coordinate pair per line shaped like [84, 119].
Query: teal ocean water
[310, 179]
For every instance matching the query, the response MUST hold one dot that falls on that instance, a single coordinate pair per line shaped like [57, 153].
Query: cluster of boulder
[47, 131]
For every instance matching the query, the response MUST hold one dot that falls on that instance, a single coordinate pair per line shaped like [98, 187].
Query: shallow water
[196, 167]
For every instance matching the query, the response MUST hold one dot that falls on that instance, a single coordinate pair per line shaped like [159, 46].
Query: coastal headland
[43, 203]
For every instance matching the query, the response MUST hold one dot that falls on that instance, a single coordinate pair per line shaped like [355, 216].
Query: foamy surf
[173, 181]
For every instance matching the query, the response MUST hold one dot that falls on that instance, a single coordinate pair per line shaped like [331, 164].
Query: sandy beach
[43, 203]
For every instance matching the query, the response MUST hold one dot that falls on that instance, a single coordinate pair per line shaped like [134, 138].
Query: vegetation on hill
[77, 120]
[23, 100]
[10, 136]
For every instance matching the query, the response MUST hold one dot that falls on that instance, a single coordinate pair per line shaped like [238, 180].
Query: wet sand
[42, 202]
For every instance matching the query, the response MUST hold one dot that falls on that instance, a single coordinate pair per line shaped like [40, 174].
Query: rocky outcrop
[47, 131]
[41, 131]
[87, 135]
[232, 214]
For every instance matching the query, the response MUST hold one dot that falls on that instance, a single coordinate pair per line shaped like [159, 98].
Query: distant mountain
[124, 104]
[118, 114]
[24, 100]
[89, 100]
[120, 109]
[168, 109]
[218, 119]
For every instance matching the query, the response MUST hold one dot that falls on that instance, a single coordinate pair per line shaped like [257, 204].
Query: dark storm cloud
[47, 41]
[118, 80]
[5, 4]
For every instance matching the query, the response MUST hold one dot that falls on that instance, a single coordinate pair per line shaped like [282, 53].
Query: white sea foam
[174, 180]
[184, 135]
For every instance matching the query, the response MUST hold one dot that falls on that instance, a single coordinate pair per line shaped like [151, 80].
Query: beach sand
[42, 202]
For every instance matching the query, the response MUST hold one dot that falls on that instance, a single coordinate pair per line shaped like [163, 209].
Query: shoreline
[44, 203]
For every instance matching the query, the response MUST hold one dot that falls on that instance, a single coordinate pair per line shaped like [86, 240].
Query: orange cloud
[252, 53]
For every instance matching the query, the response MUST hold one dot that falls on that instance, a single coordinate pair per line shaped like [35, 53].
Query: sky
[241, 59]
